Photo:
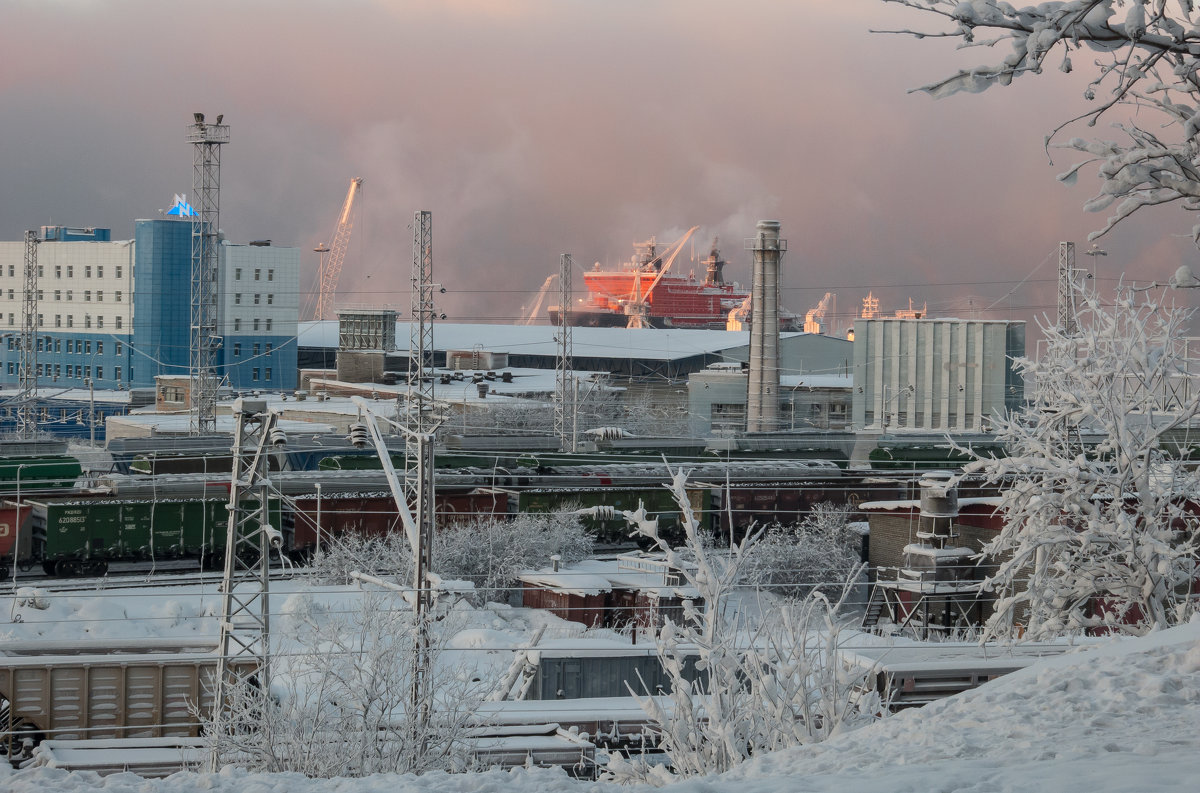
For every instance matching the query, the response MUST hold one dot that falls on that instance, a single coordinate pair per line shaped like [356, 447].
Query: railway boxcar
[375, 514]
[658, 502]
[15, 537]
[83, 535]
[32, 475]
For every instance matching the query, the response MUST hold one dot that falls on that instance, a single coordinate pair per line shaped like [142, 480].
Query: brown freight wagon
[375, 514]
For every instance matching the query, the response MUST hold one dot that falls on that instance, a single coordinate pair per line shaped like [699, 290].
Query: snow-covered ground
[1119, 716]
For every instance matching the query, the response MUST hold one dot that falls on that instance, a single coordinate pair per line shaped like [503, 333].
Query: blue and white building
[117, 313]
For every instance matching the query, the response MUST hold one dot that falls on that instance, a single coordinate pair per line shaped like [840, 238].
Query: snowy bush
[342, 701]
[820, 552]
[1100, 521]
[764, 687]
[488, 553]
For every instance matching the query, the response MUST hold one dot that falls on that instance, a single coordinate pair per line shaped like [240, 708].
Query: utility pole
[27, 405]
[206, 140]
[244, 668]
[565, 405]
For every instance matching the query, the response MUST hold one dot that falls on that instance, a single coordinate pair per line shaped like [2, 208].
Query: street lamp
[91, 384]
[17, 526]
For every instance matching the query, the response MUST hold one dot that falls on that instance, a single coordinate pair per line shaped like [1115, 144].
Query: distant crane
[532, 315]
[637, 306]
[331, 267]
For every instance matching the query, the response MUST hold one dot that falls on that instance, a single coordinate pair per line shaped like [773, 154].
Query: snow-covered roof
[663, 344]
[888, 506]
[568, 581]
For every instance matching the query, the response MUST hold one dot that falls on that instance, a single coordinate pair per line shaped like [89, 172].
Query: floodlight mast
[27, 401]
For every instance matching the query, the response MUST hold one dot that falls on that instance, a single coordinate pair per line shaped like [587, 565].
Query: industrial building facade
[117, 313]
[935, 374]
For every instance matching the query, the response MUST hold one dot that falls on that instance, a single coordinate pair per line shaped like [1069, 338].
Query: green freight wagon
[83, 536]
[658, 502]
[32, 475]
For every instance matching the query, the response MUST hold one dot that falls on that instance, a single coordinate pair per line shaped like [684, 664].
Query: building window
[58, 320]
[10, 295]
[118, 297]
[99, 322]
[256, 300]
[268, 348]
[118, 374]
[58, 345]
[87, 320]
[270, 275]
[70, 295]
[237, 323]
[41, 271]
[10, 367]
[99, 295]
[237, 298]
[87, 371]
[268, 323]
[237, 349]
[70, 345]
[40, 298]
[99, 372]
[255, 348]
[268, 374]
[58, 294]
[40, 323]
[39, 345]
[70, 271]
[58, 370]
[257, 273]
[87, 295]
[730, 416]
[12, 271]
[87, 346]
[254, 374]
[58, 271]
[119, 347]
[118, 322]
[256, 323]
[237, 274]
[10, 320]
[100, 347]
[99, 271]
[270, 300]
[87, 271]
[118, 276]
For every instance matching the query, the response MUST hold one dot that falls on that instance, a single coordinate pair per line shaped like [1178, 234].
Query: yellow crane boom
[331, 268]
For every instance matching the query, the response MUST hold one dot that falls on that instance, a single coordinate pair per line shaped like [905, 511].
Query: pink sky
[535, 127]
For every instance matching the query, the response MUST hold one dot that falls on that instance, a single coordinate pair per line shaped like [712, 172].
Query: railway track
[133, 578]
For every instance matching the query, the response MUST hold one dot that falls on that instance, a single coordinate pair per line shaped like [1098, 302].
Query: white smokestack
[762, 403]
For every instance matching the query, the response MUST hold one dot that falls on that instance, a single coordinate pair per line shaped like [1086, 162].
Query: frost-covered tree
[1100, 517]
[489, 553]
[764, 686]
[1144, 79]
[341, 693]
[820, 552]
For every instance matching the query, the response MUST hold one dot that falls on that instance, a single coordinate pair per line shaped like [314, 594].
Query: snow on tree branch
[1146, 58]
[1101, 520]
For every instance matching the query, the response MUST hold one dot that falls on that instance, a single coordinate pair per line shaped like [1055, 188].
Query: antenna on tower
[206, 140]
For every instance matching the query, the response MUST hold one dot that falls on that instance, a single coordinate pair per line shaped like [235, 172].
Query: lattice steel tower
[206, 140]
[420, 344]
[245, 637]
[27, 407]
[1068, 319]
[564, 382]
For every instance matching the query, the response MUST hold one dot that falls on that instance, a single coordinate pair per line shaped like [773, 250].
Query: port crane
[637, 305]
[331, 267]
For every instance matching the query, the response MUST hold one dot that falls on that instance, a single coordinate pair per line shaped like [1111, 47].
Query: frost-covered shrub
[488, 553]
[821, 552]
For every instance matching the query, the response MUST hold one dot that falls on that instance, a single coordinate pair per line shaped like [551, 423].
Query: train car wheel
[96, 567]
[50, 567]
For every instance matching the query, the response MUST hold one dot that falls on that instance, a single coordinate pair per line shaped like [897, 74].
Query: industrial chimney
[762, 402]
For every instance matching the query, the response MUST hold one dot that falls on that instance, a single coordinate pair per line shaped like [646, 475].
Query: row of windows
[237, 298]
[79, 346]
[58, 271]
[87, 321]
[237, 349]
[237, 323]
[79, 371]
[237, 274]
[118, 295]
